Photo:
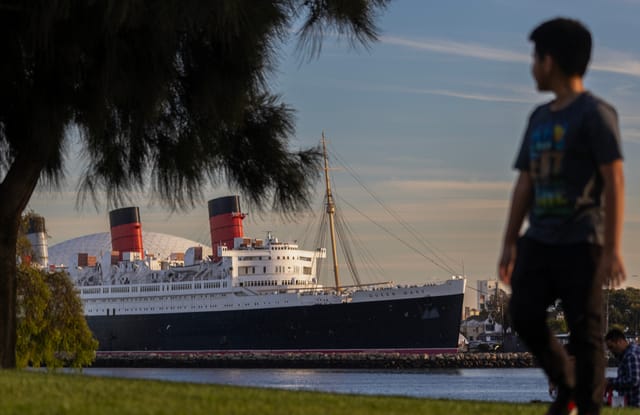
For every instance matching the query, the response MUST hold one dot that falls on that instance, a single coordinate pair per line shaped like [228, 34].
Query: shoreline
[255, 360]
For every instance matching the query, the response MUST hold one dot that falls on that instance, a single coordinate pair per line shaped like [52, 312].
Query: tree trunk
[8, 239]
[15, 191]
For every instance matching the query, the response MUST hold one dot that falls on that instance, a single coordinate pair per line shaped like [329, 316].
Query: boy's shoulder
[587, 103]
[594, 101]
[595, 106]
[599, 113]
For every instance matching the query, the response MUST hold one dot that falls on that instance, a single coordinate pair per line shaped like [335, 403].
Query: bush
[52, 330]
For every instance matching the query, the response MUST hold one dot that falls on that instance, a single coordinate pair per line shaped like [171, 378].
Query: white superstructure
[255, 274]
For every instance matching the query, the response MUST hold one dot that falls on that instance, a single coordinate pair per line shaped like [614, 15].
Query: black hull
[429, 324]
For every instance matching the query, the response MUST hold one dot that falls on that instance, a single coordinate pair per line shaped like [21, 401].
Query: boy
[571, 184]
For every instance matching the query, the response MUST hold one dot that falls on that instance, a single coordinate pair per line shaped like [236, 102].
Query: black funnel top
[36, 225]
[124, 216]
[227, 204]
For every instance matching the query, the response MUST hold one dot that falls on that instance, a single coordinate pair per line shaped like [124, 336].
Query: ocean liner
[259, 295]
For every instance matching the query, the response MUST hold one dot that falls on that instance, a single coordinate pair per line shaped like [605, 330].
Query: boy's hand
[507, 260]
[611, 269]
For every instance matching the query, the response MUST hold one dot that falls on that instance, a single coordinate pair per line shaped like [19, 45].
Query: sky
[429, 119]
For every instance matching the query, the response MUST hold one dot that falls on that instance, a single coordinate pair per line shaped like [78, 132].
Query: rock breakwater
[315, 360]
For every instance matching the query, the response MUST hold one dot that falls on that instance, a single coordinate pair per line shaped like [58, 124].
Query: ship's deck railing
[217, 286]
[155, 288]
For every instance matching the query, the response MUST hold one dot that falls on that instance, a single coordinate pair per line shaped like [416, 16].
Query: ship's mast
[331, 210]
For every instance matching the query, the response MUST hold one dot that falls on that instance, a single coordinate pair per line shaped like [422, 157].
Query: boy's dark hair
[567, 41]
[615, 335]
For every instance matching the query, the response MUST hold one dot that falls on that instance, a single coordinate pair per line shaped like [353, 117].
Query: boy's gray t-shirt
[563, 150]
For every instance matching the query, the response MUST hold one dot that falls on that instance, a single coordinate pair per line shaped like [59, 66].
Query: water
[507, 385]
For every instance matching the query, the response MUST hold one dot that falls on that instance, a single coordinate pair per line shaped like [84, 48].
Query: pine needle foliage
[165, 96]
[173, 94]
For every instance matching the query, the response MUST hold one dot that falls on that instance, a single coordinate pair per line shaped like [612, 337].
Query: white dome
[159, 244]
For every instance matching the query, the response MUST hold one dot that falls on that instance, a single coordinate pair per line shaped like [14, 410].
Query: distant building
[487, 289]
[470, 303]
[487, 330]
[477, 298]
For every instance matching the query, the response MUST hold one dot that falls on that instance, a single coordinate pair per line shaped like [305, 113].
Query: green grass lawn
[28, 393]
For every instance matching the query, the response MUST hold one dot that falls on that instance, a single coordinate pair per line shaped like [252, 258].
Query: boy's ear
[547, 63]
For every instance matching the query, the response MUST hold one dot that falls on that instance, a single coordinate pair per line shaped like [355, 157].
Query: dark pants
[542, 274]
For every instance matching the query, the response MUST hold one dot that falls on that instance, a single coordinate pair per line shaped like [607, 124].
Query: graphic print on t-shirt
[548, 142]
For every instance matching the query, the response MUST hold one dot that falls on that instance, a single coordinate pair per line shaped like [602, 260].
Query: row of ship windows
[154, 299]
[112, 311]
[281, 269]
[267, 283]
[259, 258]
[155, 288]
[278, 269]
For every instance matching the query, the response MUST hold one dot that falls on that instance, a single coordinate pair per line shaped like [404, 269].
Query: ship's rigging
[340, 231]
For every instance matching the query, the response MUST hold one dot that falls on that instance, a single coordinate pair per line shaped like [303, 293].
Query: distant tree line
[622, 310]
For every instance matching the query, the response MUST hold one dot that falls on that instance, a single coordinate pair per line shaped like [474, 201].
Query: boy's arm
[611, 267]
[520, 204]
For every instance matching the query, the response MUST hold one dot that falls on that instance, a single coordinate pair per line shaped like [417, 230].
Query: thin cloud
[528, 99]
[450, 185]
[449, 47]
[631, 135]
[513, 94]
[630, 118]
[605, 60]
[474, 97]
[613, 61]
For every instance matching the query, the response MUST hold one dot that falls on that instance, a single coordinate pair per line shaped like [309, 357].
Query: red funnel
[225, 222]
[126, 231]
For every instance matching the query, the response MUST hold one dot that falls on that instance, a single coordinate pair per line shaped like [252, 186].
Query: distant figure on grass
[571, 185]
[627, 383]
